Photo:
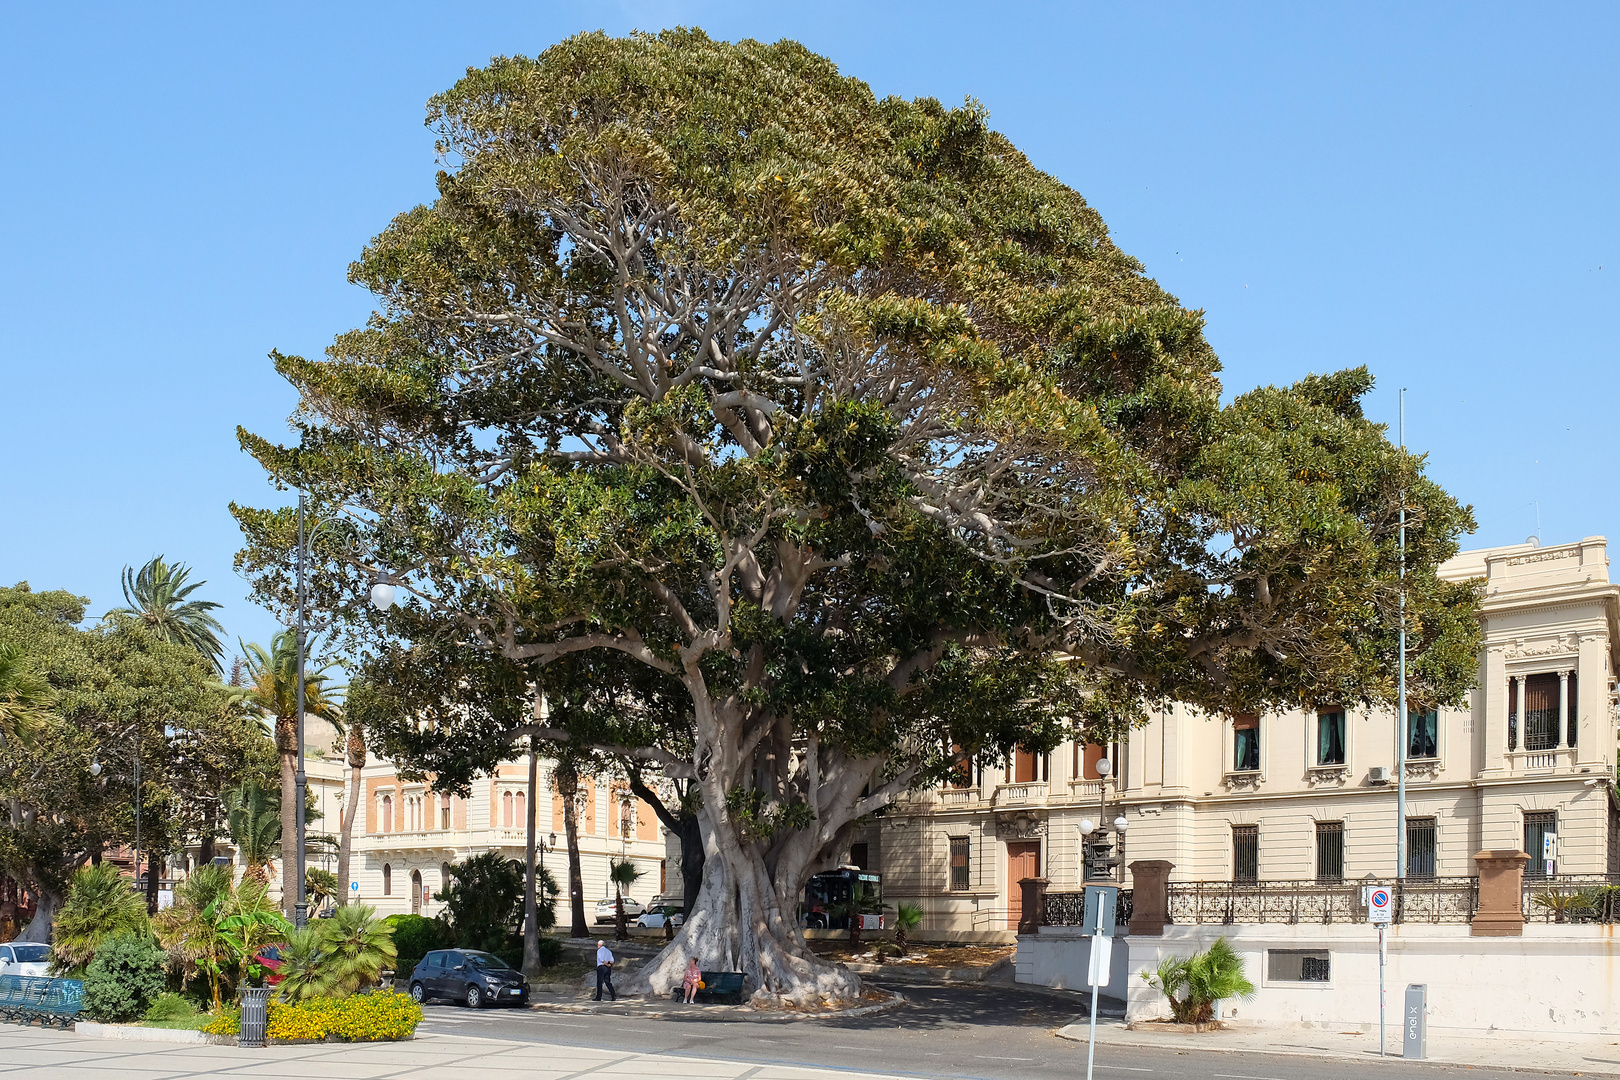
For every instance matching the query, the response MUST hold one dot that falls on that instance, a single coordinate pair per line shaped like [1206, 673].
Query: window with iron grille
[960, 878]
[1541, 843]
[1246, 853]
[1299, 965]
[1420, 854]
[1329, 851]
[1541, 712]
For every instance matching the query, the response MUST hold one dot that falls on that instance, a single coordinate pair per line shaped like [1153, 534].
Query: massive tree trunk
[287, 749]
[567, 780]
[39, 927]
[356, 749]
[684, 824]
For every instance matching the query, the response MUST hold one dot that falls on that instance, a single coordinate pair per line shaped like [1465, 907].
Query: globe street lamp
[382, 598]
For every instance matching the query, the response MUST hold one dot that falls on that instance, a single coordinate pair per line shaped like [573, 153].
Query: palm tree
[274, 691]
[190, 927]
[99, 904]
[356, 750]
[1201, 980]
[25, 698]
[907, 917]
[303, 971]
[320, 886]
[623, 873]
[157, 599]
[255, 828]
[357, 946]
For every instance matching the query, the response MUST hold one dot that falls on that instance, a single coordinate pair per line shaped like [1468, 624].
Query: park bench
[717, 986]
[29, 998]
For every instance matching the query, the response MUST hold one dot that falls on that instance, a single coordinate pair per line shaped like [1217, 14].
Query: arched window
[444, 875]
[388, 880]
[506, 810]
[521, 805]
[388, 813]
[416, 892]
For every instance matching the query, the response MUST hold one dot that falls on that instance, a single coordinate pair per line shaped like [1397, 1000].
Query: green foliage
[167, 1007]
[907, 917]
[125, 978]
[24, 697]
[355, 948]
[301, 966]
[254, 820]
[227, 1021]
[157, 598]
[1193, 984]
[320, 886]
[550, 951]
[484, 901]
[415, 936]
[101, 905]
[214, 930]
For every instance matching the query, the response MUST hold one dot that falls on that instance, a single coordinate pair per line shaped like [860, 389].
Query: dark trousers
[604, 977]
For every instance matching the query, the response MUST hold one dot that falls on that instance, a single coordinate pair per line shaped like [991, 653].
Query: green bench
[717, 986]
[26, 998]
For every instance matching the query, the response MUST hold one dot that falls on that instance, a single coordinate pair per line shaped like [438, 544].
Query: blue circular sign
[1380, 898]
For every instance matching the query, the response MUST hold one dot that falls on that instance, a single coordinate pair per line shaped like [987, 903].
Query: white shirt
[603, 956]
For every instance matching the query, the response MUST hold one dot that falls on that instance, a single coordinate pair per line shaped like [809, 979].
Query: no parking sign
[1380, 904]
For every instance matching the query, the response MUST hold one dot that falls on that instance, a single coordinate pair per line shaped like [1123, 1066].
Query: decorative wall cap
[1236, 781]
[1428, 768]
[1327, 774]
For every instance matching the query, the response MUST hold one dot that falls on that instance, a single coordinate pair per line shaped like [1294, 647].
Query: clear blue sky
[1428, 192]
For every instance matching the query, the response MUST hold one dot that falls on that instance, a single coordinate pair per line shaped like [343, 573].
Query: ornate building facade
[1528, 763]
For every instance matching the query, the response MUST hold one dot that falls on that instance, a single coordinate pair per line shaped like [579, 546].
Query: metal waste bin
[255, 1015]
[1414, 1022]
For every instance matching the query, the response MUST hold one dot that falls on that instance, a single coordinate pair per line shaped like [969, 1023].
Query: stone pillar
[1033, 910]
[1150, 897]
[1501, 900]
[1563, 709]
[1517, 716]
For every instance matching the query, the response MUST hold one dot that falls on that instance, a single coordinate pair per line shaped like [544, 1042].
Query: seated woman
[692, 979]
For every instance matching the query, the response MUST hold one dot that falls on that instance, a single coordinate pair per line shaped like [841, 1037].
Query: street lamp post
[95, 770]
[1101, 825]
[382, 597]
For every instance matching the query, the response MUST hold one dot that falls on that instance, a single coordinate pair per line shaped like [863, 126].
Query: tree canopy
[839, 419]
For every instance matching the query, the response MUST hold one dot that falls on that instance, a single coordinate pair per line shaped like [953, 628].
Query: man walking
[604, 971]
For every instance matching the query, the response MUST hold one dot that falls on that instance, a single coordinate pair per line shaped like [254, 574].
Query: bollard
[255, 1015]
[1415, 1022]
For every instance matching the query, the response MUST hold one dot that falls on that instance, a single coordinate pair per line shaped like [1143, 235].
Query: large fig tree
[840, 415]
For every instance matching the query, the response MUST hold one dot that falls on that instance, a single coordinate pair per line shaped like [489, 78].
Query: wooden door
[1023, 861]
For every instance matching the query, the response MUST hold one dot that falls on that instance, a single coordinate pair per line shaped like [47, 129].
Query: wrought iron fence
[1420, 900]
[1572, 898]
[1069, 908]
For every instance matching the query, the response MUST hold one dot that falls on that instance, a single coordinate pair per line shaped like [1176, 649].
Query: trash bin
[1414, 1022]
[255, 1015]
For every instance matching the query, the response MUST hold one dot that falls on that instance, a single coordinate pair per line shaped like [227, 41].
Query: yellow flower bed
[228, 1021]
[359, 1018]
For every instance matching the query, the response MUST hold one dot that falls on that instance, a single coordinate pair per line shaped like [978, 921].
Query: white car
[24, 958]
[607, 912]
[654, 918]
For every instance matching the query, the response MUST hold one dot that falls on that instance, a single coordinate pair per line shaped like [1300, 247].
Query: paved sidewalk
[1595, 1056]
[66, 1056]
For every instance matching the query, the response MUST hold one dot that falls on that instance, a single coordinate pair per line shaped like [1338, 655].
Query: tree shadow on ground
[945, 1007]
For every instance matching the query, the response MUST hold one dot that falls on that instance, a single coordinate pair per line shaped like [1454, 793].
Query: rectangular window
[1246, 854]
[1569, 711]
[1423, 734]
[1541, 844]
[1299, 965]
[1420, 854]
[1330, 737]
[960, 877]
[858, 854]
[1329, 851]
[1246, 744]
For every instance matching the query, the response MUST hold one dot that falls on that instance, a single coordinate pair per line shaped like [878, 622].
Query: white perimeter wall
[1059, 957]
[1554, 981]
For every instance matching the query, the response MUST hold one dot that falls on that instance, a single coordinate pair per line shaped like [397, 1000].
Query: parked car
[24, 958]
[606, 911]
[655, 917]
[471, 977]
[269, 958]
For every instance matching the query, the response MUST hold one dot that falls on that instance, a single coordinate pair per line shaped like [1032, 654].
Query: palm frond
[157, 597]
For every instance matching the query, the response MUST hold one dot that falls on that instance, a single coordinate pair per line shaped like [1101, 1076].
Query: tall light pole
[1400, 707]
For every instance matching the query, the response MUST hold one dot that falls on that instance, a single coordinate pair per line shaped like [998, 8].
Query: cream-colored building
[1305, 796]
[406, 834]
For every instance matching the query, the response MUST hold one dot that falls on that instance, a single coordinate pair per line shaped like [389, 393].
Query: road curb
[724, 1013]
[134, 1033]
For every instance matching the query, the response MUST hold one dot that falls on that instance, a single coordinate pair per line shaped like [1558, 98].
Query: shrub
[355, 947]
[415, 936]
[358, 1018]
[170, 1007]
[550, 951]
[301, 971]
[100, 904]
[1201, 980]
[124, 979]
[227, 1021]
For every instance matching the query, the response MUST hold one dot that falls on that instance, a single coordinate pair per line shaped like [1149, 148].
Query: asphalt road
[963, 1033]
